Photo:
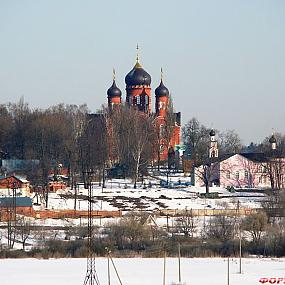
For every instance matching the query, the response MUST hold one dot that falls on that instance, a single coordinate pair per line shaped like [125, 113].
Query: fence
[61, 214]
[209, 212]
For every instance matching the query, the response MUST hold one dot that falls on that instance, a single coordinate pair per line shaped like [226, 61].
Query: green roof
[20, 202]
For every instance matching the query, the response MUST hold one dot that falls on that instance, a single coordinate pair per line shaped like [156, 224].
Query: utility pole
[103, 178]
[164, 268]
[75, 196]
[240, 252]
[109, 279]
[12, 214]
[179, 265]
[228, 279]
[239, 233]
[91, 277]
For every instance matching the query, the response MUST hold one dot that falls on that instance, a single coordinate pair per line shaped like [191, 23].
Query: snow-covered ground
[120, 194]
[139, 271]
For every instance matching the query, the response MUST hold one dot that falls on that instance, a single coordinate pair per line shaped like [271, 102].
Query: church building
[138, 95]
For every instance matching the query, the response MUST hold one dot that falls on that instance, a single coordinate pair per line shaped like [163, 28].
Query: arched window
[161, 130]
[138, 100]
[146, 99]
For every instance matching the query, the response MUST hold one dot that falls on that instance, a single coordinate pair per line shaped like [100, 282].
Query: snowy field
[139, 271]
[120, 194]
[118, 197]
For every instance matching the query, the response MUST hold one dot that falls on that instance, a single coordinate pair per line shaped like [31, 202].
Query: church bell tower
[213, 151]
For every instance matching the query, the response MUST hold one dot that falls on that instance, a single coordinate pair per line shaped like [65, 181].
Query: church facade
[138, 95]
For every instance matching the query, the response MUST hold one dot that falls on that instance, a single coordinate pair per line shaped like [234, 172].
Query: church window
[146, 99]
[237, 175]
[138, 100]
[246, 174]
[161, 130]
[161, 105]
[228, 174]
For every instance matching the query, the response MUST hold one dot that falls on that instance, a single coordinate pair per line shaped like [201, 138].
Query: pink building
[246, 170]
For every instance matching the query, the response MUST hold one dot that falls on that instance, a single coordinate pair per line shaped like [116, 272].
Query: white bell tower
[213, 151]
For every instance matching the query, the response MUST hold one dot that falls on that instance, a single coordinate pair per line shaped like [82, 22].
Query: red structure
[138, 95]
[10, 182]
[56, 185]
[167, 125]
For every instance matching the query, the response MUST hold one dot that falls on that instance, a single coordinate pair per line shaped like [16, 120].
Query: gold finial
[114, 74]
[161, 74]
[137, 59]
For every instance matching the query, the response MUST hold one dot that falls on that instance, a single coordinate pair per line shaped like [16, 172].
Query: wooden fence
[209, 212]
[62, 214]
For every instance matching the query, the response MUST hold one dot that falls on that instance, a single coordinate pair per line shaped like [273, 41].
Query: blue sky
[223, 60]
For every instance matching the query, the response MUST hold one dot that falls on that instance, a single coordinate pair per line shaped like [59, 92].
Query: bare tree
[142, 136]
[133, 136]
[221, 228]
[93, 145]
[255, 224]
[23, 230]
[6, 125]
[274, 205]
[207, 173]
[187, 223]
[229, 142]
[196, 138]
[20, 113]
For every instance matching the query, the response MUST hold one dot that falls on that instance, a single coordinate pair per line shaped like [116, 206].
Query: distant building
[20, 184]
[23, 206]
[53, 186]
[18, 165]
[245, 170]
[138, 95]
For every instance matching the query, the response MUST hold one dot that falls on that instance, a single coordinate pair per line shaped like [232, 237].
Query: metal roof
[20, 202]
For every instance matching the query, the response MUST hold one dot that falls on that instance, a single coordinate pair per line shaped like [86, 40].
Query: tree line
[71, 136]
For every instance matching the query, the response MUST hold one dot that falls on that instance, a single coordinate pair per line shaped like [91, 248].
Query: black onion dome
[114, 91]
[212, 133]
[272, 139]
[161, 90]
[137, 76]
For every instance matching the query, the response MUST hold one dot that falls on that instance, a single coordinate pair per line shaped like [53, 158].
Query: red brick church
[138, 95]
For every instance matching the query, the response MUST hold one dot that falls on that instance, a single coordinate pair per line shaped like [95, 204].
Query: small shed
[24, 205]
